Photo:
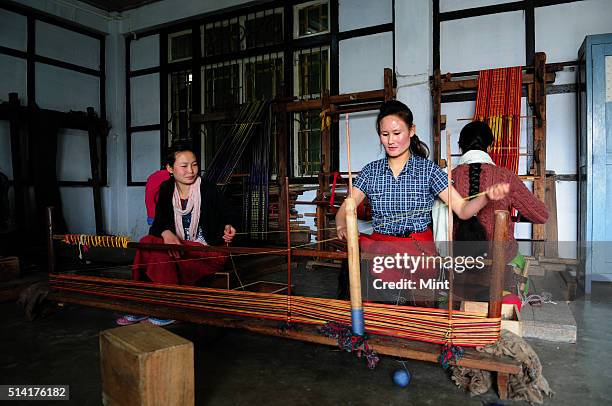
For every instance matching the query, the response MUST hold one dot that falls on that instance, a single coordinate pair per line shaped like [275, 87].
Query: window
[179, 95]
[307, 144]
[249, 31]
[221, 37]
[234, 71]
[221, 86]
[311, 19]
[263, 77]
[179, 46]
[263, 28]
[311, 78]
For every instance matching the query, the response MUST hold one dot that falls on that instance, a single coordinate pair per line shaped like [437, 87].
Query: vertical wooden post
[285, 193]
[281, 158]
[352, 240]
[93, 131]
[322, 223]
[539, 143]
[500, 238]
[51, 262]
[437, 108]
[388, 90]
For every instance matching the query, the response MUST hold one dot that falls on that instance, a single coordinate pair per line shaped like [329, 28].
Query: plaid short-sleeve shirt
[401, 205]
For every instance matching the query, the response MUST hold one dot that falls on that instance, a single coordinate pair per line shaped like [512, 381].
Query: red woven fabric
[499, 105]
[160, 267]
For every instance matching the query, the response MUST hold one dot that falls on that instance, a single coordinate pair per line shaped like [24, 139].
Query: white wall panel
[144, 95]
[68, 46]
[567, 213]
[13, 30]
[144, 52]
[560, 29]
[64, 90]
[78, 209]
[362, 62]
[145, 155]
[137, 213]
[355, 14]
[561, 133]
[365, 143]
[483, 42]
[73, 163]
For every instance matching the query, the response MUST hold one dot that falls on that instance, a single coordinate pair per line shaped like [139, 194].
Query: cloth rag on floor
[529, 384]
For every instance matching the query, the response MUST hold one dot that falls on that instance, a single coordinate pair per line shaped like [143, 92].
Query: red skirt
[160, 267]
[406, 261]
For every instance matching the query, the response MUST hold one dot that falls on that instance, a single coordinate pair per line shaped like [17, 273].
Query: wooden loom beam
[472, 84]
[308, 333]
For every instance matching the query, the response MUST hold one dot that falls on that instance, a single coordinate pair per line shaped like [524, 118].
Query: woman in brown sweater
[475, 173]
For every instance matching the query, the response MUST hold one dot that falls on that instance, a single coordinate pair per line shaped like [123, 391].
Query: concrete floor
[239, 368]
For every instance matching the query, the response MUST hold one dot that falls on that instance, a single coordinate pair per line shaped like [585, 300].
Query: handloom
[461, 86]
[408, 332]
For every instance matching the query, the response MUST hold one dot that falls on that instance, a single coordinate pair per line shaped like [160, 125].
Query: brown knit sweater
[519, 197]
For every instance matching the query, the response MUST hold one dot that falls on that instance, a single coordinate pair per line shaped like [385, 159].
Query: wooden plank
[539, 143]
[502, 385]
[551, 249]
[437, 108]
[92, 132]
[472, 84]
[9, 269]
[383, 345]
[500, 235]
[142, 364]
[369, 95]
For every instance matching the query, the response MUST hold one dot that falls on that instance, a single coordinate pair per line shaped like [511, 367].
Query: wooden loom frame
[333, 105]
[384, 345]
[535, 78]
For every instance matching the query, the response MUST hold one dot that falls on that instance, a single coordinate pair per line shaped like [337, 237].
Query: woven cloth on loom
[413, 323]
[499, 105]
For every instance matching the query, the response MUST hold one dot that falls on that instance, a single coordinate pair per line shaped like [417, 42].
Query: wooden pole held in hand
[352, 239]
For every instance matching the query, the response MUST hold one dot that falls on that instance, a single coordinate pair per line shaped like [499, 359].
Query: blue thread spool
[401, 378]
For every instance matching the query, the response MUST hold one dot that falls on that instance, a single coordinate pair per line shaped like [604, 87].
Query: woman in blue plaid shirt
[402, 188]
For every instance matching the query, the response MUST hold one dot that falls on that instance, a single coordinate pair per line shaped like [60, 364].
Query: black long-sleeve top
[215, 212]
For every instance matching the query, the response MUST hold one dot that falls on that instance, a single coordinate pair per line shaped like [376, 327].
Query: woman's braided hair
[474, 136]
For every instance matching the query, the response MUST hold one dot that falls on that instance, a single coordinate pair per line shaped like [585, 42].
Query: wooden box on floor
[9, 269]
[142, 364]
[511, 317]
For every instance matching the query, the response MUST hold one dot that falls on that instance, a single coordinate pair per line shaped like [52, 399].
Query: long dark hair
[177, 147]
[474, 136]
[399, 109]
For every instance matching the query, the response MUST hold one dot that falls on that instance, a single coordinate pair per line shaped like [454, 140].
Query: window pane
[263, 78]
[312, 73]
[221, 38]
[180, 47]
[180, 105]
[312, 18]
[264, 28]
[221, 86]
[307, 144]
